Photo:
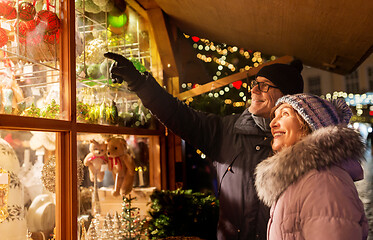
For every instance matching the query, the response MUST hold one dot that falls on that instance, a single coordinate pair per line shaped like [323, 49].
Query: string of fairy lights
[205, 46]
[219, 56]
[210, 52]
[362, 104]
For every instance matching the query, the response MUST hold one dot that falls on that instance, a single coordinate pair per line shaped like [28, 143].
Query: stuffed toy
[95, 159]
[121, 164]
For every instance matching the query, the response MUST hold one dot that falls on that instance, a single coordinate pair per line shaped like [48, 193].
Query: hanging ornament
[8, 10]
[26, 11]
[117, 31]
[23, 29]
[84, 231]
[3, 37]
[52, 38]
[117, 21]
[48, 174]
[4, 194]
[49, 22]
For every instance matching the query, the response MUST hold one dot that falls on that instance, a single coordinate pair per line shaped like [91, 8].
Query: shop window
[314, 85]
[27, 184]
[370, 78]
[352, 82]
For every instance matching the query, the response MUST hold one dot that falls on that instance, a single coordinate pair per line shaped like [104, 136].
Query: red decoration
[26, 32]
[8, 10]
[195, 39]
[25, 29]
[34, 39]
[3, 37]
[53, 38]
[237, 84]
[26, 11]
[49, 22]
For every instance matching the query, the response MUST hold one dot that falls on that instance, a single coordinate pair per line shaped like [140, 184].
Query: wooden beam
[229, 79]
[162, 39]
[138, 8]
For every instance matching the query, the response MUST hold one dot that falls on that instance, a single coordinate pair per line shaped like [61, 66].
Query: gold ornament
[4, 191]
[48, 174]
[84, 231]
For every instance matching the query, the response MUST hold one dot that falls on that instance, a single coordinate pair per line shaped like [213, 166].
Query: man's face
[263, 102]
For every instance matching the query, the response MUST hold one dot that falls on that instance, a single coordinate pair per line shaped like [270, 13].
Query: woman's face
[285, 127]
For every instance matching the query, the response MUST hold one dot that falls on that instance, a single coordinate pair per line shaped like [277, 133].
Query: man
[235, 143]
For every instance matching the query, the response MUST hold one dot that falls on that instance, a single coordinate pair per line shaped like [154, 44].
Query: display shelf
[98, 96]
[29, 59]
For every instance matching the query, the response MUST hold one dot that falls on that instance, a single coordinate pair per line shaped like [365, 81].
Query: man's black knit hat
[286, 77]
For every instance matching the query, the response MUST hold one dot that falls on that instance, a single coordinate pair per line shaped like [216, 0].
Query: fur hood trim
[322, 148]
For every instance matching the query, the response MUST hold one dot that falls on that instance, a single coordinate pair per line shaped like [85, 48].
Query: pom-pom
[297, 64]
[343, 110]
[26, 11]
[3, 37]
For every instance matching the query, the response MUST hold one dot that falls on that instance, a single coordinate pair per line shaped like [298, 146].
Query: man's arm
[200, 129]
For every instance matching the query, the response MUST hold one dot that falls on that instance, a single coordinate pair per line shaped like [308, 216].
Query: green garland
[183, 213]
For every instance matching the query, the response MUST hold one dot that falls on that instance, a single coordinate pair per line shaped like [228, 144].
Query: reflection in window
[370, 77]
[314, 85]
[114, 166]
[352, 82]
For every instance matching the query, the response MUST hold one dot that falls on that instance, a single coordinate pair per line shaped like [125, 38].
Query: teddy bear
[121, 164]
[95, 159]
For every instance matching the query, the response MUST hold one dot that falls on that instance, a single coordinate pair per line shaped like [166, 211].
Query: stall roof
[332, 35]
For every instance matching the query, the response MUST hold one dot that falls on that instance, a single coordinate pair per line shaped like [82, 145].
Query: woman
[309, 181]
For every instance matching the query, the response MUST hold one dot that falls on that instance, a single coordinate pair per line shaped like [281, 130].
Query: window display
[26, 195]
[116, 174]
[113, 26]
[29, 58]
[57, 173]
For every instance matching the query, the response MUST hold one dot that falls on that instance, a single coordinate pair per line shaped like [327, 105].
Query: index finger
[116, 57]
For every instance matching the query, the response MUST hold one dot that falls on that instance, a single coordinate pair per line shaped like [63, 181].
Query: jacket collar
[250, 124]
[335, 145]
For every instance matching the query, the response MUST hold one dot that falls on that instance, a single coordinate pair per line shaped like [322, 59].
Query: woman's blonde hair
[304, 127]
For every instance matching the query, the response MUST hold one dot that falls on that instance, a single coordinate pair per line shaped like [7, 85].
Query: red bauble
[25, 30]
[31, 39]
[8, 10]
[26, 11]
[49, 22]
[53, 38]
[3, 37]
[22, 27]
[34, 38]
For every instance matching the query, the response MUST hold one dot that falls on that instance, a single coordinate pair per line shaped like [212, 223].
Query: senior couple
[286, 166]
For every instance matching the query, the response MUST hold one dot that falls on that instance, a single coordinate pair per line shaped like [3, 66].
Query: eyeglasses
[262, 86]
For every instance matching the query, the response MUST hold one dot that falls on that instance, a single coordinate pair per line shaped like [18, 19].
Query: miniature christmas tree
[92, 233]
[132, 223]
[117, 227]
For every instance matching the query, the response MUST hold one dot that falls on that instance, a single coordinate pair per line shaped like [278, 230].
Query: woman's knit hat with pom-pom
[318, 112]
[286, 77]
